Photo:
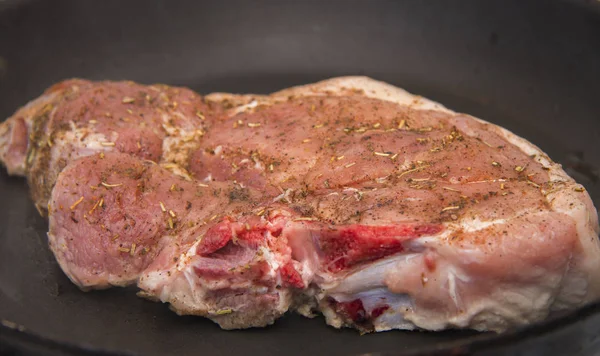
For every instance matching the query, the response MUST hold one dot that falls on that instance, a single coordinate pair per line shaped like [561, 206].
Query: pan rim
[14, 336]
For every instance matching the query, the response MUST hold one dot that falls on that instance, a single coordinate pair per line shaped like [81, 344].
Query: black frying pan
[530, 66]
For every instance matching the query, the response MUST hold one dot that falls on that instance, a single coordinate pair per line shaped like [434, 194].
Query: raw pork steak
[349, 197]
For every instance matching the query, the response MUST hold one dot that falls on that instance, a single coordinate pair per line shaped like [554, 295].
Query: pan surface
[530, 66]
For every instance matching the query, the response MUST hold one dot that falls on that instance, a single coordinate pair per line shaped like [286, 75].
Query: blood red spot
[375, 313]
[348, 246]
[215, 238]
[430, 262]
[353, 310]
[255, 236]
[276, 232]
[291, 277]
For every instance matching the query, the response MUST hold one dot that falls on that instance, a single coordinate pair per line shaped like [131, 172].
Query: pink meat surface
[348, 197]
[77, 118]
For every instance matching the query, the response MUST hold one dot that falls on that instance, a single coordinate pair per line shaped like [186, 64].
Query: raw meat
[77, 118]
[349, 197]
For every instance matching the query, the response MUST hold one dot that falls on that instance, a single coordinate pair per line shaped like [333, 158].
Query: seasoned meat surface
[77, 118]
[349, 197]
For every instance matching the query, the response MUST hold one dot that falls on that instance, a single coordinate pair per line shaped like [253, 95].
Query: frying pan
[530, 66]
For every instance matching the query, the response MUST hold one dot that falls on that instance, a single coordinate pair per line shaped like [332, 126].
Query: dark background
[530, 66]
